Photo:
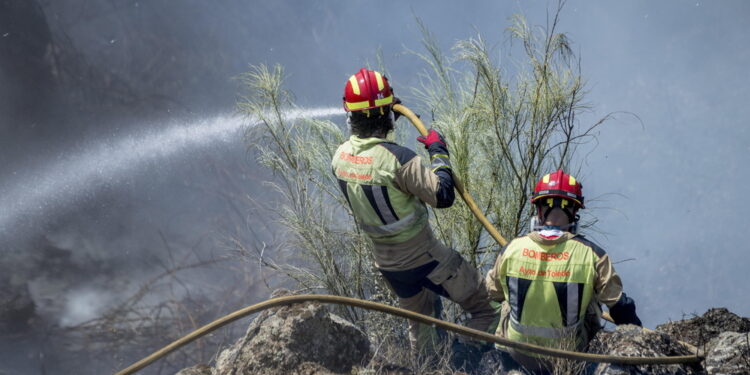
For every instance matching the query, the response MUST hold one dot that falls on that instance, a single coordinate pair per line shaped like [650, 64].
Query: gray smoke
[80, 80]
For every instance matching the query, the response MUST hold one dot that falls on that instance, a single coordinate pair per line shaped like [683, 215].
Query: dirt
[700, 330]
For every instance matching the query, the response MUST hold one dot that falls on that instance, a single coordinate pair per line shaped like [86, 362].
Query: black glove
[623, 312]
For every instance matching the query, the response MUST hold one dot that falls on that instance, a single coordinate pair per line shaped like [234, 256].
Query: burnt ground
[701, 329]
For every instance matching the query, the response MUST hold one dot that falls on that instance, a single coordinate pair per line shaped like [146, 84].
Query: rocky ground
[307, 339]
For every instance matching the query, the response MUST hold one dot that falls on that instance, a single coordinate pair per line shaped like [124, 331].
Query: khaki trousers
[448, 275]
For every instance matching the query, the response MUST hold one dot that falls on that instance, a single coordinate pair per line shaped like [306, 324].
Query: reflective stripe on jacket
[548, 287]
[384, 186]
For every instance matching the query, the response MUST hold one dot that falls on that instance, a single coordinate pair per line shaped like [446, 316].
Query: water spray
[39, 194]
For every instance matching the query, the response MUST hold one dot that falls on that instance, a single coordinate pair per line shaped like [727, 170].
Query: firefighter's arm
[433, 188]
[608, 288]
[433, 185]
[492, 282]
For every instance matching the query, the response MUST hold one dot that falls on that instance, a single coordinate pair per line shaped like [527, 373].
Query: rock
[633, 341]
[305, 339]
[730, 354]
[196, 370]
[297, 339]
[701, 329]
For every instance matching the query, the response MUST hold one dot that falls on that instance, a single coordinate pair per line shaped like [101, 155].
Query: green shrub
[503, 130]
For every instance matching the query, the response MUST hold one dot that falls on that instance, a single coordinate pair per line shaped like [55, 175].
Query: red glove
[432, 137]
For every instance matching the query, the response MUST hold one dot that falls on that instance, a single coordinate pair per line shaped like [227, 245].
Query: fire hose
[465, 195]
[369, 305]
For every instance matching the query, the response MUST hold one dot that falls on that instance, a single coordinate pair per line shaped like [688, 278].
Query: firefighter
[552, 281]
[387, 187]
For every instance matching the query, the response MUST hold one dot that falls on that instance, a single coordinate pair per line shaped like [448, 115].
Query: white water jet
[39, 193]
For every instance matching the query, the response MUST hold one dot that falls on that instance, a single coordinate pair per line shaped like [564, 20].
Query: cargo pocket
[446, 269]
[463, 283]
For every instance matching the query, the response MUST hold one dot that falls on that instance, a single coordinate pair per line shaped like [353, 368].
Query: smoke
[137, 168]
[83, 305]
[122, 162]
[94, 225]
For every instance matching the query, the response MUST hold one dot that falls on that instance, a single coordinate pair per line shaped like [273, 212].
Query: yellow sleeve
[492, 282]
[607, 285]
[416, 179]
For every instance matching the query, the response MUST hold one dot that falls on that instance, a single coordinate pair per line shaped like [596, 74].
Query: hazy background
[665, 185]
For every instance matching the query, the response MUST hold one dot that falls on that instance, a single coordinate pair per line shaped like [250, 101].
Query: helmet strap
[392, 117]
[574, 225]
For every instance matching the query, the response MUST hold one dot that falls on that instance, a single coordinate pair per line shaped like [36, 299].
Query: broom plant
[504, 131]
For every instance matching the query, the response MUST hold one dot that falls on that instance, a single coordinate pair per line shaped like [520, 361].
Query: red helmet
[558, 184]
[367, 89]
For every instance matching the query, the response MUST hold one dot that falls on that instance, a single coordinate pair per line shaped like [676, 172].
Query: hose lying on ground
[369, 305]
[412, 315]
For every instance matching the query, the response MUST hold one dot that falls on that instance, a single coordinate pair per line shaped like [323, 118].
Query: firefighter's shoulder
[594, 247]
